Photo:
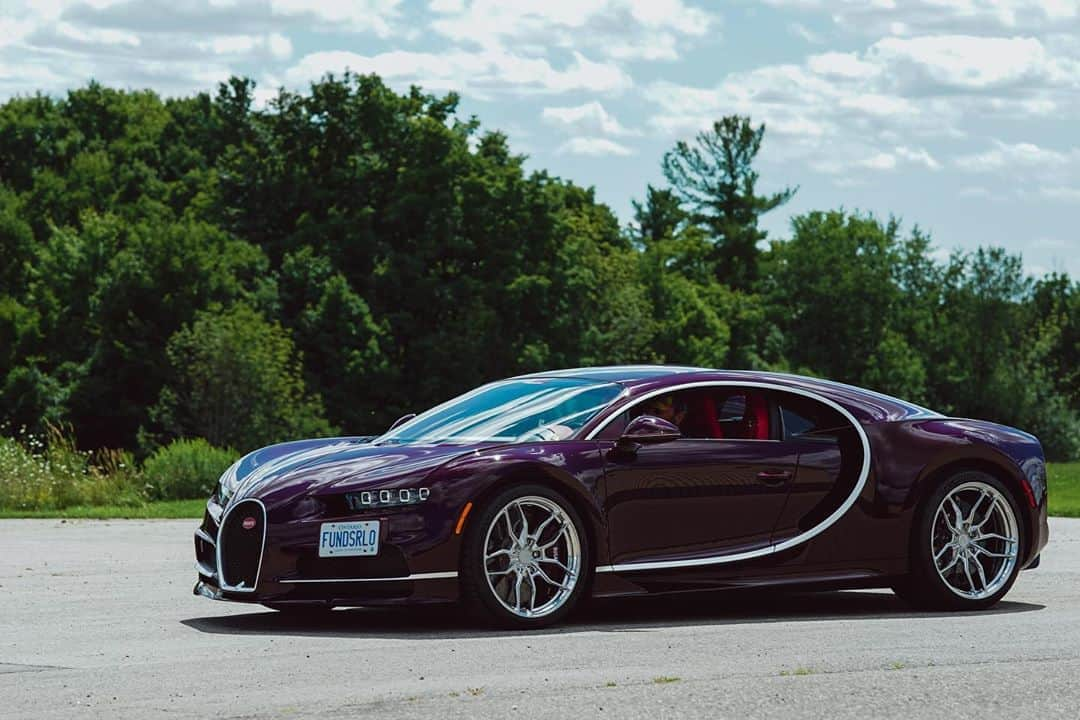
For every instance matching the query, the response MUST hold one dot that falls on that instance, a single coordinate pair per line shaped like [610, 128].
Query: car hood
[341, 466]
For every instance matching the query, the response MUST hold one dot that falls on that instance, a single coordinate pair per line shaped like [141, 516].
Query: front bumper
[416, 562]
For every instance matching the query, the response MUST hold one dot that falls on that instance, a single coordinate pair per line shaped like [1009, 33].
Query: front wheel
[966, 546]
[525, 559]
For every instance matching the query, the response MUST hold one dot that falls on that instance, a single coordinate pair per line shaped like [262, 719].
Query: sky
[959, 116]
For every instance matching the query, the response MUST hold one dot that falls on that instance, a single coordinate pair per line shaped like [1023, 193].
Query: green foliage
[716, 177]
[196, 267]
[237, 381]
[185, 469]
[52, 474]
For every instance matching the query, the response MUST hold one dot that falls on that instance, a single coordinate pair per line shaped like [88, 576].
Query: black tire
[477, 594]
[924, 587]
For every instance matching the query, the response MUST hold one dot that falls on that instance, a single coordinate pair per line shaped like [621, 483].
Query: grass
[161, 509]
[665, 679]
[1063, 480]
[797, 672]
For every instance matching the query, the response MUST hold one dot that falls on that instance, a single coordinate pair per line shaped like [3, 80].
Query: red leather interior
[757, 417]
[700, 420]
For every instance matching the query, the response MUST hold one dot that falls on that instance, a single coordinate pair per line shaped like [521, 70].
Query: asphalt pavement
[97, 619]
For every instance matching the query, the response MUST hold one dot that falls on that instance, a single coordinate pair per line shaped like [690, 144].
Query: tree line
[198, 267]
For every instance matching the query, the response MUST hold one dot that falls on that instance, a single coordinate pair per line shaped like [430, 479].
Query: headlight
[228, 483]
[370, 499]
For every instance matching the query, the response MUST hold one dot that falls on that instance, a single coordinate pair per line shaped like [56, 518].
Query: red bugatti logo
[249, 523]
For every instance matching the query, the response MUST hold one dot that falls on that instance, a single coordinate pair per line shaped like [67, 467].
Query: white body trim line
[403, 578]
[262, 547]
[821, 527]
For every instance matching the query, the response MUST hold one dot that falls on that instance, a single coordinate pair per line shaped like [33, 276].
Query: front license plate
[349, 538]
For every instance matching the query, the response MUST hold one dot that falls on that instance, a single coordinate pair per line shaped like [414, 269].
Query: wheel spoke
[509, 526]
[983, 551]
[995, 536]
[554, 561]
[955, 524]
[524, 523]
[532, 594]
[974, 508]
[547, 578]
[950, 566]
[982, 574]
[497, 553]
[543, 526]
[947, 546]
[558, 536]
[517, 592]
[967, 571]
[986, 518]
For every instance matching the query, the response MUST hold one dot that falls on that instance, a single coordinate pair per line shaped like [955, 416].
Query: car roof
[867, 405]
[624, 374]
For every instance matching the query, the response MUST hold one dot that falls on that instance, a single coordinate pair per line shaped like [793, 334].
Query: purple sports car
[523, 496]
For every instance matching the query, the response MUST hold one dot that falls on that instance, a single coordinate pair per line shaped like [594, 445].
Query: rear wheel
[966, 546]
[526, 559]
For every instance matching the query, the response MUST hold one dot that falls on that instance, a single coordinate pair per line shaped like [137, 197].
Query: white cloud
[593, 146]
[848, 66]
[957, 62]
[620, 29]
[801, 31]
[1022, 154]
[836, 111]
[279, 46]
[590, 118]
[902, 17]
[478, 72]
[918, 156]
[375, 16]
[880, 161]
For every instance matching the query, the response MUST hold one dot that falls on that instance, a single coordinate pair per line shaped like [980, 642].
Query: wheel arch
[996, 468]
[543, 474]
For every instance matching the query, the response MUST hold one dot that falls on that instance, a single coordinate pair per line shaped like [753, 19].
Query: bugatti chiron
[524, 496]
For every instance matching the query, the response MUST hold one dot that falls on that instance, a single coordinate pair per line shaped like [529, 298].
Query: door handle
[774, 477]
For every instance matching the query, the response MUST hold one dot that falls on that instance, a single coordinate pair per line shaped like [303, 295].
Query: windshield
[510, 411]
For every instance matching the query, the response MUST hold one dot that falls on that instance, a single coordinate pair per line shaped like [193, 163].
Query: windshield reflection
[509, 411]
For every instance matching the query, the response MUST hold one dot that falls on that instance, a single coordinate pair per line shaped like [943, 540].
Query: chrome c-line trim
[403, 578]
[864, 473]
[262, 547]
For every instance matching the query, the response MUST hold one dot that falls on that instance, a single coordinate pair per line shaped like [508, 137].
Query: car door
[830, 458]
[717, 492]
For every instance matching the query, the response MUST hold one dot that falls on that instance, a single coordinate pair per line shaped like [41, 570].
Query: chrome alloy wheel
[975, 540]
[532, 556]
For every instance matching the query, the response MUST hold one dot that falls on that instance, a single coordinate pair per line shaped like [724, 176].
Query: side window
[743, 414]
[614, 429]
[804, 418]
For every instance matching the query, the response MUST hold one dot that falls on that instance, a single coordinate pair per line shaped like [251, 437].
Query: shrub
[186, 469]
[52, 474]
[237, 381]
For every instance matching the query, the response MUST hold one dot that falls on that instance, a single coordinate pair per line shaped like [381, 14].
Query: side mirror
[401, 420]
[648, 430]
